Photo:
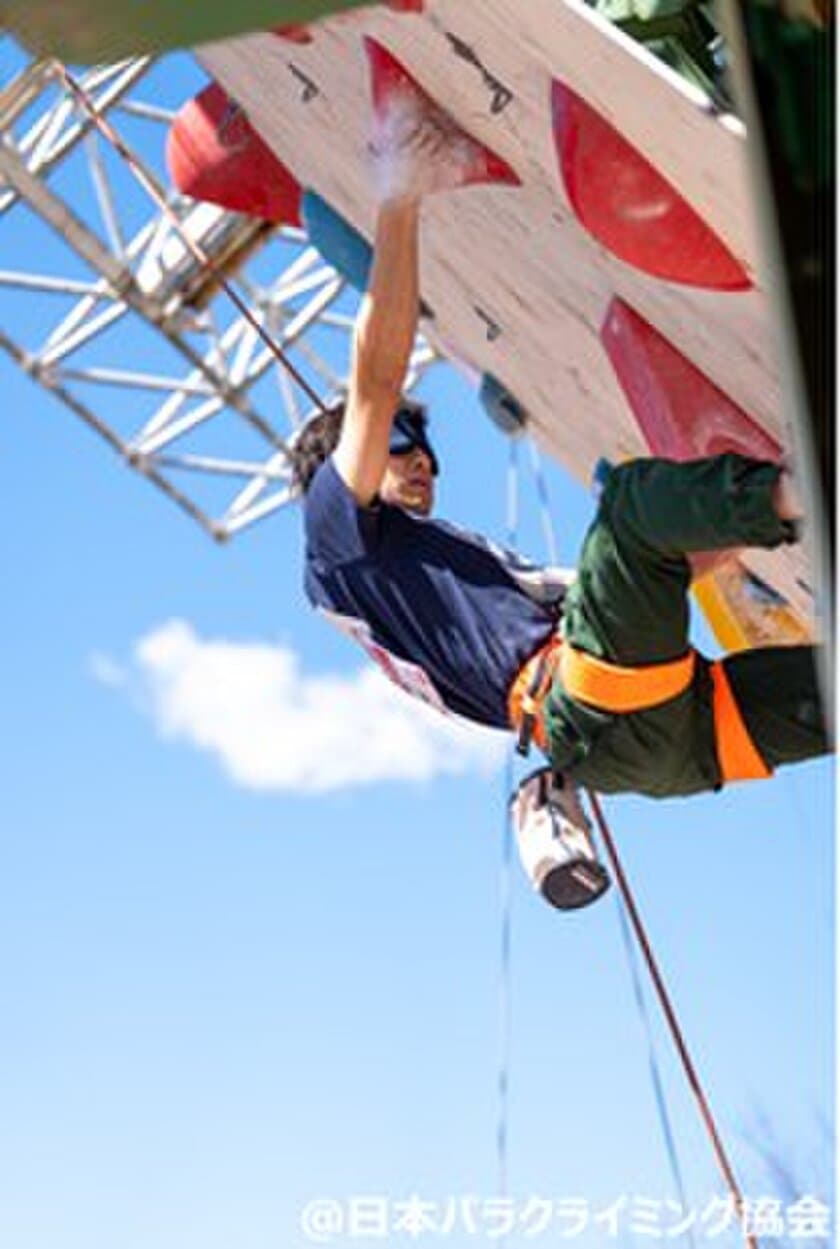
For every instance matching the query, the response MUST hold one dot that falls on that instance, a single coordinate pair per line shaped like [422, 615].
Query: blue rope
[545, 507]
[653, 1066]
[503, 1080]
[505, 887]
[632, 958]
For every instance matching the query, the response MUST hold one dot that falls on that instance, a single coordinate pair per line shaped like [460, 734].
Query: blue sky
[225, 995]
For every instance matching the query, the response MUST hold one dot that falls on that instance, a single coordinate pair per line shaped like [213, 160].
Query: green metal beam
[91, 31]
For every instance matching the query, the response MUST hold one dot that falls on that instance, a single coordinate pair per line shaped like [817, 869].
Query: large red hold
[629, 207]
[391, 80]
[682, 414]
[214, 154]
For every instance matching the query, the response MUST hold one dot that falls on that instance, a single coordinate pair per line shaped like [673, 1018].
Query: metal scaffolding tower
[116, 318]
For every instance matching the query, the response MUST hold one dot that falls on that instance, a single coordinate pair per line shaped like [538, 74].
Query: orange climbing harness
[738, 754]
[615, 688]
[528, 691]
[612, 687]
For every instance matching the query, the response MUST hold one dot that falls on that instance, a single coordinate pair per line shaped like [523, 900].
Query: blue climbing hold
[341, 244]
[504, 411]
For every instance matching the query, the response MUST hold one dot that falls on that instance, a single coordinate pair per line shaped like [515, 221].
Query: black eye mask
[409, 431]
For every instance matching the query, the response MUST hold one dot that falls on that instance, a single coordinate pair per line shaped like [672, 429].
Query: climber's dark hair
[317, 440]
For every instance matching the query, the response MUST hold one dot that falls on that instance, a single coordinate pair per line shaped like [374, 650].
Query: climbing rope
[549, 536]
[653, 1066]
[158, 196]
[506, 882]
[670, 1014]
[632, 912]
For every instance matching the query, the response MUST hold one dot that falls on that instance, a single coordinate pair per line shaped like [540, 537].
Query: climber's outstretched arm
[382, 344]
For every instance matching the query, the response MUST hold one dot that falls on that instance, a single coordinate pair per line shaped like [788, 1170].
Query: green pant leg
[629, 604]
[777, 691]
[715, 503]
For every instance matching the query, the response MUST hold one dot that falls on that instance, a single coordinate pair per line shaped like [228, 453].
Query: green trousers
[629, 605]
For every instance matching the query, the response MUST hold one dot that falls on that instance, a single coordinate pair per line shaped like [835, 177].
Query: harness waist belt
[612, 687]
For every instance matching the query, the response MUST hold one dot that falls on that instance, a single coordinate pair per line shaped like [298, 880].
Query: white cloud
[272, 727]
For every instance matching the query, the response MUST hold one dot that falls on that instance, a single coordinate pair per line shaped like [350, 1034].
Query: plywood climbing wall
[633, 195]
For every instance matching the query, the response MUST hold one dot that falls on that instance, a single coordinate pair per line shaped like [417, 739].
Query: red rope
[104, 126]
[671, 1017]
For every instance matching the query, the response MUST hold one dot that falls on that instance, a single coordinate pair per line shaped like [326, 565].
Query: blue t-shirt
[442, 611]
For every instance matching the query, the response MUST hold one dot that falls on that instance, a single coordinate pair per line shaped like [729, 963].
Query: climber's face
[409, 481]
[412, 463]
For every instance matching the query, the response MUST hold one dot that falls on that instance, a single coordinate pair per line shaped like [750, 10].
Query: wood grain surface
[518, 257]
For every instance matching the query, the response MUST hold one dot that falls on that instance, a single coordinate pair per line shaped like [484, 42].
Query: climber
[597, 668]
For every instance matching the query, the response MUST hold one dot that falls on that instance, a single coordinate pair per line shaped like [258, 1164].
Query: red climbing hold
[214, 154]
[629, 207]
[469, 160]
[681, 413]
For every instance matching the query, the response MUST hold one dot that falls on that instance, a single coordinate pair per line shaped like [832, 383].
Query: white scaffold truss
[115, 317]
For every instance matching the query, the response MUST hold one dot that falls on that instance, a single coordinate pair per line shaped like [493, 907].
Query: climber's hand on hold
[417, 149]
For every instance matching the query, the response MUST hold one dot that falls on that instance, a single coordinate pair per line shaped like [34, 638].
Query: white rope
[545, 510]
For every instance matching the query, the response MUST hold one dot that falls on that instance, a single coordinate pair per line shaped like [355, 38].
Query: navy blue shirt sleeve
[336, 527]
